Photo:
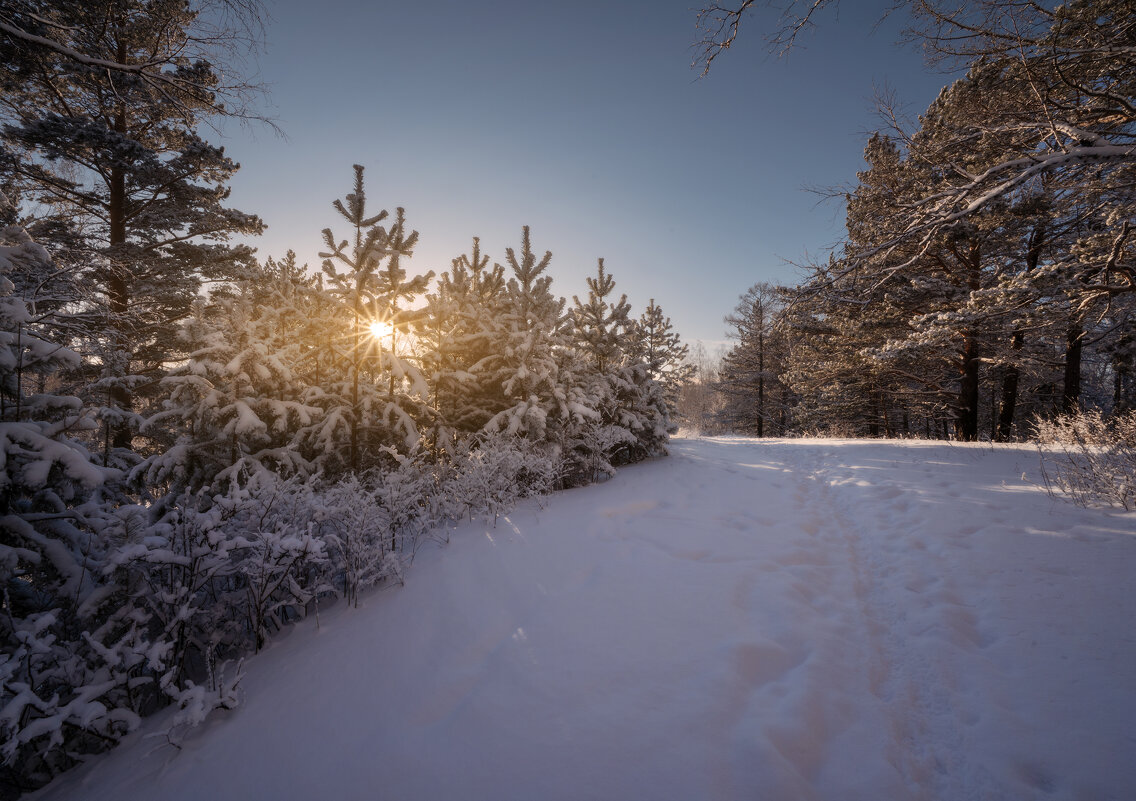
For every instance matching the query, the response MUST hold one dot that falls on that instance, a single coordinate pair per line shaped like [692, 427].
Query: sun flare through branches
[380, 328]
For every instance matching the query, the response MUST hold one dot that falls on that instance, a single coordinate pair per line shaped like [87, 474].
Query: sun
[380, 329]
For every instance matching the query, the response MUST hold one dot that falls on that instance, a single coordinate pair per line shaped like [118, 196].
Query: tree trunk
[966, 427]
[761, 382]
[118, 294]
[1010, 380]
[1071, 395]
[783, 412]
[966, 423]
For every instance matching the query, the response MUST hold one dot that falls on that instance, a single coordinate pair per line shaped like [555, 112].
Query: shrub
[1090, 458]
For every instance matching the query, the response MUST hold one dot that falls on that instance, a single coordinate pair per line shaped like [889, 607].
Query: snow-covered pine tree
[456, 337]
[757, 401]
[407, 406]
[64, 662]
[841, 316]
[629, 418]
[353, 401]
[236, 407]
[660, 348]
[525, 364]
[117, 149]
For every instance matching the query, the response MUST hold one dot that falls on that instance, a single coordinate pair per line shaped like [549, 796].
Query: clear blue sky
[581, 119]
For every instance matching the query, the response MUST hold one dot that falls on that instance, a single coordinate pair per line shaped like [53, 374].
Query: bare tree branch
[719, 26]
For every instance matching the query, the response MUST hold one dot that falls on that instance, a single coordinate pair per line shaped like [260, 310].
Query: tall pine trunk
[1012, 377]
[966, 422]
[118, 290]
[761, 380]
[1071, 395]
[1010, 380]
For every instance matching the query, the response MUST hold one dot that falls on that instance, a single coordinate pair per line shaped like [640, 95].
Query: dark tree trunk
[783, 412]
[1010, 380]
[1012, 377]
[1071, 395]
[761, 382]
[118, 292]
[966, 423]
[966, 426]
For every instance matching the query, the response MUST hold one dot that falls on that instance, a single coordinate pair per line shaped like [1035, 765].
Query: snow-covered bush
[1090, 458]
[492, 476]
[114, 614]
[283, 562]
[196, 701]
[356, 530]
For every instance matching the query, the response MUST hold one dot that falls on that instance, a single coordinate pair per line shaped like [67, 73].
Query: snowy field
[813, 619]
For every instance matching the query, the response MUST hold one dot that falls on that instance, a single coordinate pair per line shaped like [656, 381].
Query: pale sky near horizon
[581, 119]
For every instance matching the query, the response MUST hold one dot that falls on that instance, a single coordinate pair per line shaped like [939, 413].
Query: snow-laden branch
[144, 69]
[161, 74]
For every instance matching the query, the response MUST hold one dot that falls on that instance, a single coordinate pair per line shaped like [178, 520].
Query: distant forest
[988, 273]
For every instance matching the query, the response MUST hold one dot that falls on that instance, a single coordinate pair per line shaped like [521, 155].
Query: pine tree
[456, 339]
[236, 406]
[660, 347]
[407, 392]
[752, 371]
[629, 420]
[117, 150]
[63, 688]
[525, 364]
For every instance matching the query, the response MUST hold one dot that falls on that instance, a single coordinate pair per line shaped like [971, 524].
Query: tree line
[988, 271]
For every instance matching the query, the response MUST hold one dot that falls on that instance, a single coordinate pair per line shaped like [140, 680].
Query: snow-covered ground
[812, 619]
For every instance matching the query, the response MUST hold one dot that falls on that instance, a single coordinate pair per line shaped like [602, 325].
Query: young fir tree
[456, 340]
[661, 349]
[525, 364]
[353, 401]
[630, 419]
[407, 408]
[236, 404]
[106, 119]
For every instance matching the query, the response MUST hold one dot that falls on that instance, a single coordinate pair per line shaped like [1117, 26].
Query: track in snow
[812, 619]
